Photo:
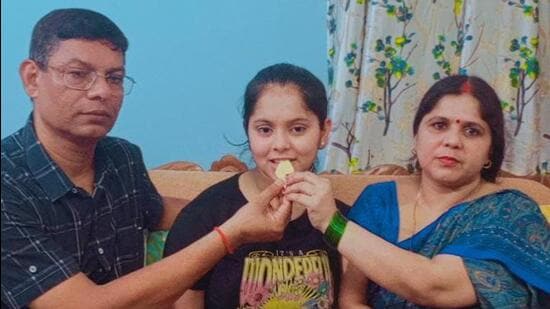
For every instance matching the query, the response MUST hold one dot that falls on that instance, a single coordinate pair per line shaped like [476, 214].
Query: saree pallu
[503, 239]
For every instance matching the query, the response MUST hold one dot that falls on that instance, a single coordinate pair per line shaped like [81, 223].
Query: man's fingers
[269, 193]
[285, 210]
[275, 203]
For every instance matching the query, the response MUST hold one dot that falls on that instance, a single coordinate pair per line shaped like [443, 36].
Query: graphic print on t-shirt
[286, 279]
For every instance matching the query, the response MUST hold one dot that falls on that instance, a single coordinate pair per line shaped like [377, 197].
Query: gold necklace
[417, 199]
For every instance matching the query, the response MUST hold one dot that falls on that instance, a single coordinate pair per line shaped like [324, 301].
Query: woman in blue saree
[450, 237]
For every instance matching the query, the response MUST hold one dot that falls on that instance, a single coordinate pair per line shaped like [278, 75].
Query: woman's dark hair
[489, 105]
[312, 89]
[65, 24]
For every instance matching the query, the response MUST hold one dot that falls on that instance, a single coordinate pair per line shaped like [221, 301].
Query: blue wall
[191, 59]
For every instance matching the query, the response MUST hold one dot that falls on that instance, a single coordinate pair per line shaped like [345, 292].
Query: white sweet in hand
[284, 168]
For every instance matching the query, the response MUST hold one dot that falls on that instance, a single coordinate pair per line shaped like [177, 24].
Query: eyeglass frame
[63, 71]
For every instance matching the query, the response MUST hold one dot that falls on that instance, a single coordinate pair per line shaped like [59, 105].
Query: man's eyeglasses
[83, 79]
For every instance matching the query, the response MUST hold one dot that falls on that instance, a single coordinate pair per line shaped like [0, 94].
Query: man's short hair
[65, 24]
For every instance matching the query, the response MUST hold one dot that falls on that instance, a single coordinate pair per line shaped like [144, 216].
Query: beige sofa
[186, 185]
[178, 187]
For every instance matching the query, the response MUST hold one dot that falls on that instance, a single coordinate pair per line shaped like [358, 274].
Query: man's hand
[262, 219]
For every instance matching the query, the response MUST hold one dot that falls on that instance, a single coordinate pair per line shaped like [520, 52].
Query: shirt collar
[49, 175]
[51, 178]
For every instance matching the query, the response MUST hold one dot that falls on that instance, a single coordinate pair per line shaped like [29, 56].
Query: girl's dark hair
[312, 89]
[489, 104]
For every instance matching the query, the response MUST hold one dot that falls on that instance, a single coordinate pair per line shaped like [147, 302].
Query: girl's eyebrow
[258, 121]
[300, 119]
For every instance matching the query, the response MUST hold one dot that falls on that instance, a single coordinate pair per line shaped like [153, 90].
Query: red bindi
[467, 87]
[457, 121]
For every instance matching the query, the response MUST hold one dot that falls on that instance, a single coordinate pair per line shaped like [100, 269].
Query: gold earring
[488, 164]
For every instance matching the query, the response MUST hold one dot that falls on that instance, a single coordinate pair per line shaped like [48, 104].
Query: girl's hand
[314, 193]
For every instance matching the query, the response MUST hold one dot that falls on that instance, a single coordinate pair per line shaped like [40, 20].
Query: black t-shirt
[300, 270]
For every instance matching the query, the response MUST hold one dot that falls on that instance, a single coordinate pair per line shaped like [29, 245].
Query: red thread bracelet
[225, 240]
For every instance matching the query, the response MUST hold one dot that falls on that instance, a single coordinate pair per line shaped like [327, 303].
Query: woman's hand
[314, 193]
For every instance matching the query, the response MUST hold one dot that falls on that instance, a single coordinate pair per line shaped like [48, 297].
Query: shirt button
[74, 190]
[32, 269]
[100, 250]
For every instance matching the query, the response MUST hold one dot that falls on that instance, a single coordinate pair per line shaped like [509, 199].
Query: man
[75, 203]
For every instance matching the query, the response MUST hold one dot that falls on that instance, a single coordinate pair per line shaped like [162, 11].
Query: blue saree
[503, 239]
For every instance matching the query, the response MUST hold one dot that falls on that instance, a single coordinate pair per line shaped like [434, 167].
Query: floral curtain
[384, 54]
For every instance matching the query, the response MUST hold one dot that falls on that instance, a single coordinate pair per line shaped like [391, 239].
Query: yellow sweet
[284, 168]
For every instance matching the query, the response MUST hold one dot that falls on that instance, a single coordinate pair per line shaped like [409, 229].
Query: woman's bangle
[336, 229]
[226, 243]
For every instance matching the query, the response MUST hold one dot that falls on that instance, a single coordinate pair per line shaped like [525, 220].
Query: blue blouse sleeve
[376, 210]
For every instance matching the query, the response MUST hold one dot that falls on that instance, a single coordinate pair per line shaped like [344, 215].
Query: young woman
[451, 237]
[285, 118]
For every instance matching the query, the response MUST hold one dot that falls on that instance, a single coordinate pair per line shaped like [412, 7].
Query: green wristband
[336, 229]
